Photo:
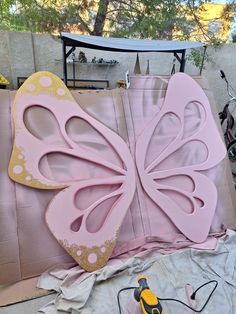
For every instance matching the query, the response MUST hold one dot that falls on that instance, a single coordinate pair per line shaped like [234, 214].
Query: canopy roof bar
[125, 45]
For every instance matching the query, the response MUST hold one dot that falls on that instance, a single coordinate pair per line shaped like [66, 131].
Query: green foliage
[197, 55]
[234, 37]
[150, 19]
[45, 15]
[157, 19]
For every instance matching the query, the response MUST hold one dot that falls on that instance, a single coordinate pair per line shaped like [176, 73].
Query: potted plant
[3, 82]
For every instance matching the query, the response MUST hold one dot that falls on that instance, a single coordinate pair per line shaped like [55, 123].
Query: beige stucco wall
[223, 58]
[21, 54]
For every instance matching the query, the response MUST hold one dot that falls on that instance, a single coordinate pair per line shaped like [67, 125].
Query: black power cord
[118, 296]
[176, 300]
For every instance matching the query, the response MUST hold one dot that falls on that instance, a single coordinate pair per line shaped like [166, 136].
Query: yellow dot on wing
[20, 156]
[28, 178]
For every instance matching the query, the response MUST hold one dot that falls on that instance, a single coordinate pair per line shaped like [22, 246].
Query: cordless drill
[148, 300]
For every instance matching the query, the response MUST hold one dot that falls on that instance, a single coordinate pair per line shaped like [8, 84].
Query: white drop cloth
[167, 276]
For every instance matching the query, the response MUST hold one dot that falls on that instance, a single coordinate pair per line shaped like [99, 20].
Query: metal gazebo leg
[64, 62]
[182, 62]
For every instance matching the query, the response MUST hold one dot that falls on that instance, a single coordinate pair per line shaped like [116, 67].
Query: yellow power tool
[148, 300]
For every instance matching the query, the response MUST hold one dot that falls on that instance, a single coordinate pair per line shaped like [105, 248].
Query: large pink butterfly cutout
[57, 145]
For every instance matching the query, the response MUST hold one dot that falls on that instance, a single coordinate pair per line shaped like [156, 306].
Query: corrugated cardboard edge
[21, 291]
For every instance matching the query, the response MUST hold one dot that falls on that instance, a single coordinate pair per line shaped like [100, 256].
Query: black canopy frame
[178, 48]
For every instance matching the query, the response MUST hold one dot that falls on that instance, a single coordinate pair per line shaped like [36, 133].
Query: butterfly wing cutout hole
[99, 201]
[84, 135]
[163, 135]
[65, 168]
[194, 118]
[180, 189]
[42, 124]
[189, 154]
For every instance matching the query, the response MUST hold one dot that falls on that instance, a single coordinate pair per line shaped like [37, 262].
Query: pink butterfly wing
[87, 159]
[184, 143]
